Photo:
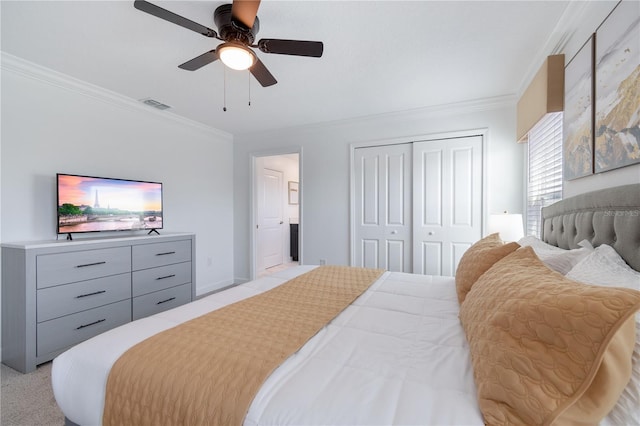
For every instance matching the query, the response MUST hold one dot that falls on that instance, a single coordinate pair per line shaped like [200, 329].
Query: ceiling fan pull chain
[249, 75]
[224, 89]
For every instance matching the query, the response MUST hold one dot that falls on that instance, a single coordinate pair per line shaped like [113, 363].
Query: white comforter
[397, 355]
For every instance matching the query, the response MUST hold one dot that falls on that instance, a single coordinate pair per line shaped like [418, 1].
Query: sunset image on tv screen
[88, 204]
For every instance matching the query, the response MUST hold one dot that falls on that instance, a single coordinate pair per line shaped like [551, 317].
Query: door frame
[483, 132]
[253, 217]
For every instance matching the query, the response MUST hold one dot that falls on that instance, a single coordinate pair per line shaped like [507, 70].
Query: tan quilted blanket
[208, 370]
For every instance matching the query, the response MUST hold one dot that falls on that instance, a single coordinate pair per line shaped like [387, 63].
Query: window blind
[544, 182]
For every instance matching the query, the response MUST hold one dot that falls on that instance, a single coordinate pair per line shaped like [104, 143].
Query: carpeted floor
[27, 399]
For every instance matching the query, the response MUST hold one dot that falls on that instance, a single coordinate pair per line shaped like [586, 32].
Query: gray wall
[325, 170]
[51, 123]
[325, 153]
[54, 124]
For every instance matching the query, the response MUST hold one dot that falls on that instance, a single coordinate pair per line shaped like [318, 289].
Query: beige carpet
[27, 399]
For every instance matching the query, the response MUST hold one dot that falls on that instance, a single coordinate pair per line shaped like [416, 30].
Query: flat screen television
[98, 204]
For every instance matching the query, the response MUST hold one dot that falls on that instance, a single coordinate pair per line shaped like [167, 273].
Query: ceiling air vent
[154, 103]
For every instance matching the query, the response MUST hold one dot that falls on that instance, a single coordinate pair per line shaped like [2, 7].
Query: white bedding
[397, 355]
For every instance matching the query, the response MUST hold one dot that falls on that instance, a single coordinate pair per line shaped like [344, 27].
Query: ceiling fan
[237, 25]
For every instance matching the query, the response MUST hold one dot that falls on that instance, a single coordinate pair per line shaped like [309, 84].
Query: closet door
[447, 202]
[383, 207]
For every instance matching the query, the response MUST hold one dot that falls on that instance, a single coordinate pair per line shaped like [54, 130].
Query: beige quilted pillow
[478, 259]
[544, 348]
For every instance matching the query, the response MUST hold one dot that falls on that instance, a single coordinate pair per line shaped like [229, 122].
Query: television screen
[93, 204]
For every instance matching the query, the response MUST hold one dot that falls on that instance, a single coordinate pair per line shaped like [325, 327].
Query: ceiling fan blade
[291, 47]
[262, 74]
[200, 61]
[161, 13]
[245, 11]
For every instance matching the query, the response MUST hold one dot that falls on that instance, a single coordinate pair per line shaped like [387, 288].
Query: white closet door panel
[462, 185]
[395, 255]
[457, 250]
[370, 254]
[383, 207]
[450, 184]
[370, 191]
[431, 253]
[431, 168]
[396, 178]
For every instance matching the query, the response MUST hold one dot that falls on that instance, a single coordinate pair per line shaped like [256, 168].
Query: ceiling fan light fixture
[236, 56]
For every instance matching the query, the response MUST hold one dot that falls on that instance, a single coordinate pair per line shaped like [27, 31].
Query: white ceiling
[379, 56]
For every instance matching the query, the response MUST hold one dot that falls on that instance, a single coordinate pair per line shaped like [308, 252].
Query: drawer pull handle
[165, 277]
[165, 301]
[165, 253]
[90, 324]
[90, 264]
[91, 294]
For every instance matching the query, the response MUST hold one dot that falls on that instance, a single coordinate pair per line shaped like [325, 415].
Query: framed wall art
[578, 113]
[617, 97]
[293, 192]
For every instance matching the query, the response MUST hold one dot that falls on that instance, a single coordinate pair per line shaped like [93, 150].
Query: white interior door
[270, 218]
[383, 207]
[447, 203]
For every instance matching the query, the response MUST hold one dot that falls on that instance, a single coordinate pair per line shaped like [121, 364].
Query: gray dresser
[56, 294]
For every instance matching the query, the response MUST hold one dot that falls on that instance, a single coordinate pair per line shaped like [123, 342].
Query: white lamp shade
[509, 226]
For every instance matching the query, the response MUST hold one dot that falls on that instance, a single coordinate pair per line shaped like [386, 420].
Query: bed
[408, 351]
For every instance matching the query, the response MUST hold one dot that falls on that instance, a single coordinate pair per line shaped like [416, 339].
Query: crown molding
[27, 69]
[33, 71]
[565, 30]
[465, 107]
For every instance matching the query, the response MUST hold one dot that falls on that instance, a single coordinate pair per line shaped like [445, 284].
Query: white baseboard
[211, 288]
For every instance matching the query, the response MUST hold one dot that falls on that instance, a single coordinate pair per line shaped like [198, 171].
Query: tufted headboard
[607, 216]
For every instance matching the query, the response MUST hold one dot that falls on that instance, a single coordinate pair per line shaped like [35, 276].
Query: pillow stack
[544, 348]
[478, 259]
[556, 258]
[605, 267]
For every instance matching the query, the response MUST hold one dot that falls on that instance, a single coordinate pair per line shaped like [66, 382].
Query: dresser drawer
[154, 279]
[54, 302]
[160, 254]
[66, 331]
[63, 268]
[162, 300]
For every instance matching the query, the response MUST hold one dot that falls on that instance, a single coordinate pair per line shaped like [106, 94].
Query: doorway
[276, 212]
